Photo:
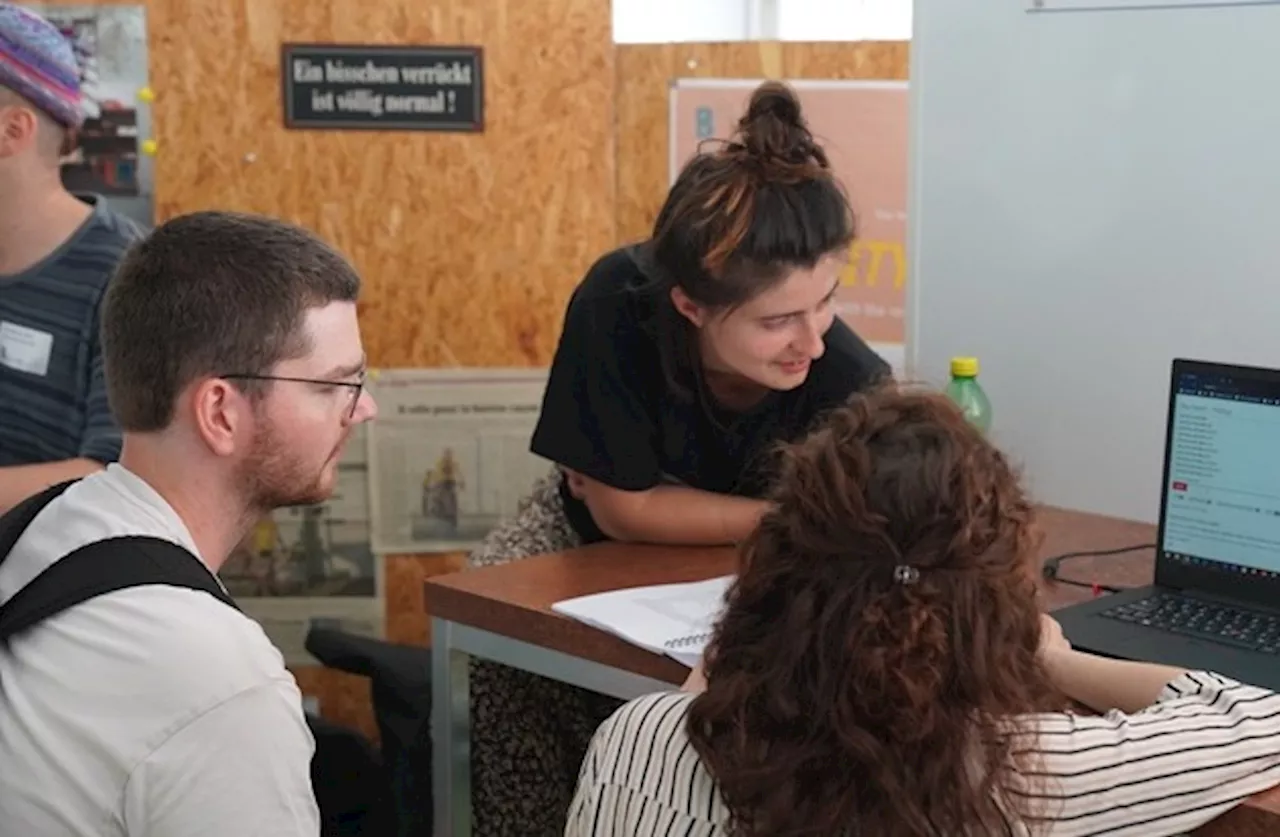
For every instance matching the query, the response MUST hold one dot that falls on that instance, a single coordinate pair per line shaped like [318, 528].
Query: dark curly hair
[844, 699]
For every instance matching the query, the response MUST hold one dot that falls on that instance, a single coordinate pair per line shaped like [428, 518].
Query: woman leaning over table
[683, 360]
[882, 668]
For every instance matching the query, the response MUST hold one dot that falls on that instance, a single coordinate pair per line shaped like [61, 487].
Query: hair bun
[774, 129]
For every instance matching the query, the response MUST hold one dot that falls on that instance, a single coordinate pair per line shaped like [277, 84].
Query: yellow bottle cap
[964, 367]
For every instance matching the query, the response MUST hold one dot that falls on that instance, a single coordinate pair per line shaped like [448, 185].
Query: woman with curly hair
[883, 668]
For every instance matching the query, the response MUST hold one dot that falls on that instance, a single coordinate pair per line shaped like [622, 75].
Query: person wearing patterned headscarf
[57, 252]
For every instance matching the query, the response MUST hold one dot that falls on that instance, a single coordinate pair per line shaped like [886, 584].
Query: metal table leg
[451, 732]
[452, 647]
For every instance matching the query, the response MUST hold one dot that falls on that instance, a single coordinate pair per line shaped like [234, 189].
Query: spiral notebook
[671, 619]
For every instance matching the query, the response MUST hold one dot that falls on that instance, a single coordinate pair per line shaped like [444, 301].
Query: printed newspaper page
[449, 455]
[313, 563]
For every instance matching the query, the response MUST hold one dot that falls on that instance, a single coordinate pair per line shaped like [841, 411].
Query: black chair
[400, 676]
[350, 783]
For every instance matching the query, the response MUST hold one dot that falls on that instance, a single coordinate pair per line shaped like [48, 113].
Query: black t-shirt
[609, 412]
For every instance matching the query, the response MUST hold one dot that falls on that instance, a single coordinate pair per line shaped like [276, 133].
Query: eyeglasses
[356, 387]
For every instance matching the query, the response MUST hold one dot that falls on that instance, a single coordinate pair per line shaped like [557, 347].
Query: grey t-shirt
[53, 400]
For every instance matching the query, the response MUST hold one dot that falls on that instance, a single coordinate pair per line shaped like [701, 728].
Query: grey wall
[1093, 193]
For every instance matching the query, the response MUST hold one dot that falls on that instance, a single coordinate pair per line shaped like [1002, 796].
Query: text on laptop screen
[1222, 504]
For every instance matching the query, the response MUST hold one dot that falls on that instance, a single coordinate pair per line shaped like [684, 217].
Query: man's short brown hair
[208, 294]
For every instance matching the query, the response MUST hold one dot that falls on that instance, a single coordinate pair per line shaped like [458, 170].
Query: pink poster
[863, 126]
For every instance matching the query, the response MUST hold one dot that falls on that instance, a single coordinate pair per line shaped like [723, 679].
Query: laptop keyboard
[1214, 621]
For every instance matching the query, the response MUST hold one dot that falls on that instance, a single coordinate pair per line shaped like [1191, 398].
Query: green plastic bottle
[967, 393]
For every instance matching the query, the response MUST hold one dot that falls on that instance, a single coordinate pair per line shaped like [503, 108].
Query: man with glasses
[235, 368]
[57, 252]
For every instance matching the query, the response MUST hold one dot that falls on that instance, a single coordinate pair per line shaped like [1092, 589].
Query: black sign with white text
[383, 88]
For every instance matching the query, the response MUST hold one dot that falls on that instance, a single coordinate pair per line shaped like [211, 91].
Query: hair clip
[905, 574]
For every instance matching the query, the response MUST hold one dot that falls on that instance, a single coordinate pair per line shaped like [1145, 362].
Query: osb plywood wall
[469, 244]
[646, 71]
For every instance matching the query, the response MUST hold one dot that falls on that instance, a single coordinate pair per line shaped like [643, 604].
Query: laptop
[1215, 603]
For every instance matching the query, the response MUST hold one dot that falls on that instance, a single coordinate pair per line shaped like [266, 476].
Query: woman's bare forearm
[675, 514]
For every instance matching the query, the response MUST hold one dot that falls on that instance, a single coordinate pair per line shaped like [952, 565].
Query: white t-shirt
[149, 712]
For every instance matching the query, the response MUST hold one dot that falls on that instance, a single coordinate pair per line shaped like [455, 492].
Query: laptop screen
[1221, 508]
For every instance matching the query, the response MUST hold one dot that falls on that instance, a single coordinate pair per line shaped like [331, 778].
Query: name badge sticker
[25, 349]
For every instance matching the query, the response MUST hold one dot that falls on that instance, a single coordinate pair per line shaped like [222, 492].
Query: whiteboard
[1126, 5]
[1092, 195]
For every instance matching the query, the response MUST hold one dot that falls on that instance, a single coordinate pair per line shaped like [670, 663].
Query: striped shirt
[53, 400]
[1208, 744]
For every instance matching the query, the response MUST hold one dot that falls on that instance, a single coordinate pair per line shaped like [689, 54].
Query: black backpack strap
[17, 519]
[104, 567]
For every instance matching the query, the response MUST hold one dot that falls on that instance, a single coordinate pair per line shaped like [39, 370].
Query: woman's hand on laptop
[1100, 683]
[1052, 639]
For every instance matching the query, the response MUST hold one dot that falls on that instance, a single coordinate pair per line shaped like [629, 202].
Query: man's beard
[273, 480]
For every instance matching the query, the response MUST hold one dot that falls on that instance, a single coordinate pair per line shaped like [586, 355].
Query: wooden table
[504, 614]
